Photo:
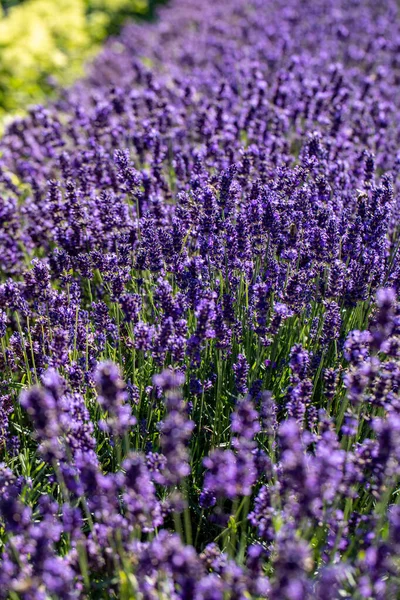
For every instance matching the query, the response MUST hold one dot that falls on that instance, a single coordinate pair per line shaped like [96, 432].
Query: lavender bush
[200, 321]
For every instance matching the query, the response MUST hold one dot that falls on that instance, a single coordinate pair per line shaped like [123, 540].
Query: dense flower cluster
[199, 313]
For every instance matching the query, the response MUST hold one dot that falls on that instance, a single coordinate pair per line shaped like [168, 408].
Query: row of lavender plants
[200, 327]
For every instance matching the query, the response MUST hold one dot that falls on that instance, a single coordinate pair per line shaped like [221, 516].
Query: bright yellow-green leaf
[42, 38]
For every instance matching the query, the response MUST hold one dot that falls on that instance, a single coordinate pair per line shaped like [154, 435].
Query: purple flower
[356, 347]
[221, 476]
[112, 398]
[299, 361]
[245, 420]
[241, 369]
[176, 429]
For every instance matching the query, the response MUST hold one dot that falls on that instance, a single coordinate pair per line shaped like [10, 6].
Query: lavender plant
[200, 314]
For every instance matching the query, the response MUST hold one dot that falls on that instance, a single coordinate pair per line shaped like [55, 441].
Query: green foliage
[44, 44]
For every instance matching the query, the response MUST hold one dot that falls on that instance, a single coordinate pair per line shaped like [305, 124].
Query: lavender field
[199, 314]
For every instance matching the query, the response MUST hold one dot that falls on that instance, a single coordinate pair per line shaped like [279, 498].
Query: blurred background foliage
[45, 43]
